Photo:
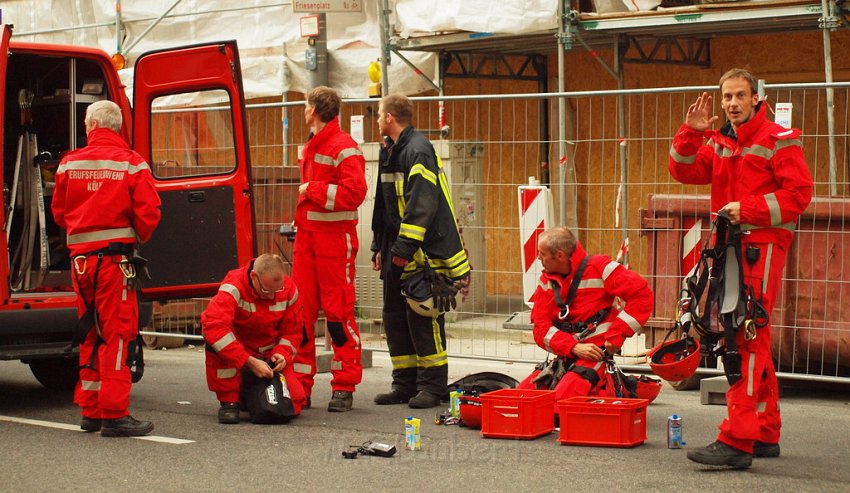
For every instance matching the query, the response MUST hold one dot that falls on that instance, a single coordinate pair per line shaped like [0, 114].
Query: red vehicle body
[198, 151]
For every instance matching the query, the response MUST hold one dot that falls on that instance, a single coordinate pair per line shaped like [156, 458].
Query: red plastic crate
[602, 421]
[517, 413]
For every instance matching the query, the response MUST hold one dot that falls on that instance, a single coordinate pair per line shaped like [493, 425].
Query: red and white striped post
[535, 216]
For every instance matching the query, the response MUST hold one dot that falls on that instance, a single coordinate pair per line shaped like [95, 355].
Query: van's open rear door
[5, 35]
[190, 125]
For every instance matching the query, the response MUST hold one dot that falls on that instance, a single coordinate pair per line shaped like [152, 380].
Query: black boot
[90, 424]
[228, 413]
[341, 401]
[764, 450]
[424, 400]
[394, 396]
[127, 426]
[720, 454]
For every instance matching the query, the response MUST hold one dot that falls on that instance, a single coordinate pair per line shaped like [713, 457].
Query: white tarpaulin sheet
[269, 36]
[503, 17]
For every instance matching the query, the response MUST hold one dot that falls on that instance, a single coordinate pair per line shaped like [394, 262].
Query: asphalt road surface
[42, 449]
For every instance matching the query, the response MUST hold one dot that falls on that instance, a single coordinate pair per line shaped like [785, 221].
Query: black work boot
[764, 449]
[394, 396]
[90, 424]
[127, 426]
[720, 454]
[341, 401]
[228, 413]
[424, 400]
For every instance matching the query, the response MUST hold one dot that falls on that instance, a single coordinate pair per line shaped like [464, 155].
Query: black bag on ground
[266, 399]
[483, 382]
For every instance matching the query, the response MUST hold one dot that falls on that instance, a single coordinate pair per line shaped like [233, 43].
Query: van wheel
[56, 373]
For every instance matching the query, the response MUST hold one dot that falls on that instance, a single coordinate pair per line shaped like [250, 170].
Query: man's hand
[302, 189]
[376, 261]
[733, 212]
[259, 367]
[612, 349]
[401, 262]
[278, 361]
[590, 352]
[698, 117]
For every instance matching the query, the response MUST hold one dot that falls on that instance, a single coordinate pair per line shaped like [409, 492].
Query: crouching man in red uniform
[580, 330]
[106, 201]
[760, 179]
[253, 320]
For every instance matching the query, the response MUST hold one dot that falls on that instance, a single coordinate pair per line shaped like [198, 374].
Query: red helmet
[675, 360]
[470, 411]
[648, 388]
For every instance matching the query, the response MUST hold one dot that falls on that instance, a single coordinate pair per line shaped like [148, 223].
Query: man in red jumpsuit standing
[106, 201]
[581, 331]
[253, 320]
[760, 179]
[333, 185]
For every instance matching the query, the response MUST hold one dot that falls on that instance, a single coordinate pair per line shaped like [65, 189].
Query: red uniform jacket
[238, 323]
[602, 281]
[764, 169]
[334, 167]
[105, 193]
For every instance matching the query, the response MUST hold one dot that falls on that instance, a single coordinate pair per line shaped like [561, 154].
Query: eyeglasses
[262, 289]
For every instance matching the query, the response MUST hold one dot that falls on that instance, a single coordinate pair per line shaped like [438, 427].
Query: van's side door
[190, 125]
[5, 35]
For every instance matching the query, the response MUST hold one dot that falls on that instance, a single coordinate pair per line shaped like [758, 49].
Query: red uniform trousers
[753, 402]
[226, 381]
[104, 387]
[573, 384]
[323, 271]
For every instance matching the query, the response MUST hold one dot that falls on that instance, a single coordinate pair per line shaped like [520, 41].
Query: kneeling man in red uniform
[253, 320]
[579, 321]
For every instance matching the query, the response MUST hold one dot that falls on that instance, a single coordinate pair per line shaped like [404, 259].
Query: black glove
[443, 290]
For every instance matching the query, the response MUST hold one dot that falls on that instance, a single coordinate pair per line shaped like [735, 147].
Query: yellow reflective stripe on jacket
[104, 234]
[412, 231]
[421, 170]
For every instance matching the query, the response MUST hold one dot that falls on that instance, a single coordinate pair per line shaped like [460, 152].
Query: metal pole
[153, 25]
[319, 76]
[827, 23]
[119, 27]
[567, 214]
[624, 154]
[385, 48]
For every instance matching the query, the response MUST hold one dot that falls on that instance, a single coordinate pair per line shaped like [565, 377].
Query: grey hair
[269, 263]
[107, 115]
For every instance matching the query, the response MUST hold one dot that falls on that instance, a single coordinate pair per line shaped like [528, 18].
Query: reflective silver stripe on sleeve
[223, 342]
[591, 283]
[548, 337]
[285, 342]
[630, 321]
[609, 268]
[301, 368]
[234, 291]
[392, 177]
[225, 372]
[263, 349]
[332, 216]
[681, 159]
[780, 144]
[104, 234]
[757, 150]
[347, 153]
[774, 209]
[89, 385]
[323, 159]
[331, 197]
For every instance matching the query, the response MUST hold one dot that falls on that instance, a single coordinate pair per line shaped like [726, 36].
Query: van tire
[56, 373]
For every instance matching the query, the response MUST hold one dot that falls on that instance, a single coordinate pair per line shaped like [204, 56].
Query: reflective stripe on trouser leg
[118, 316]
[429, 339]
[335, 257]
[402, 352]
[222, 378]
[304, 276]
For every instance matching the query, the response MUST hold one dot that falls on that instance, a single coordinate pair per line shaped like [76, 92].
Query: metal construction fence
[610, 184]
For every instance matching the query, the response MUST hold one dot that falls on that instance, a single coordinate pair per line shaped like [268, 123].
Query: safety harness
[552, 371]
[720, 269]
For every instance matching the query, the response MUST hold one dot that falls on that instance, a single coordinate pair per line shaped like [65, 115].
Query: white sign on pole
[357, 128]
[783, 114]
[309, 26]
[319, 6]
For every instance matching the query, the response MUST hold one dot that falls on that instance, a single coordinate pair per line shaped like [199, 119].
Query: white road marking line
[64, 426]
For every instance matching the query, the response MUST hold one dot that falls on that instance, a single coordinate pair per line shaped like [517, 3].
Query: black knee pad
[337, 333]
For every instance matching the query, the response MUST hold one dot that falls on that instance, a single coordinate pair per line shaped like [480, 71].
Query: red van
[187, 119]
